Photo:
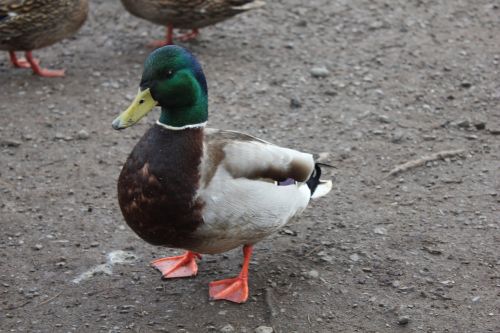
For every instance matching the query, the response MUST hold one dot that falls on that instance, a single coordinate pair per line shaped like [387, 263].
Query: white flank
[244, 211]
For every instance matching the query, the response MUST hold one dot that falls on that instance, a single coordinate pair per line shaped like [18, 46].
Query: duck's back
[29, 25]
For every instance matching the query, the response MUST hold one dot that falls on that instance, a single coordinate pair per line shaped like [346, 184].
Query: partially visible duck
[187, 14]
[200, 189]
[30, 25]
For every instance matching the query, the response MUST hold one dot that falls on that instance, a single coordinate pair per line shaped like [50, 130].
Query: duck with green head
[200, 189]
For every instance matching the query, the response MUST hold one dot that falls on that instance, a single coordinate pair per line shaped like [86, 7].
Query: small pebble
[314, 274]
[295, 103]
[227, 329]
[38, 247]
[403, 320]
[480, 125]
[82, 135]
[10, 143]
[319, 72]
[264, 329]
[380, 231]
[463, 123]
[383, 119]
[354, 257]
[494, 131]
[397, 137]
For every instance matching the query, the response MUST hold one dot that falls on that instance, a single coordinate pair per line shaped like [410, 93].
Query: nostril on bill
[141, 101]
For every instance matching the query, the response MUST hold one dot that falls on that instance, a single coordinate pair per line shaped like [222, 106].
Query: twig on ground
[48, 300]
[440, 155]
[52, 162]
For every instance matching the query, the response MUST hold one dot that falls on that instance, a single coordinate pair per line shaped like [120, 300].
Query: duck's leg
[20, 63]
[235, 289]
[169, 38]
[189, 35]
[42, 71]
[178, 266]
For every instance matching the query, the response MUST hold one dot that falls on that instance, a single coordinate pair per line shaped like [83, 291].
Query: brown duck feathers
[188, 14]
[28, 25]
[157, 186]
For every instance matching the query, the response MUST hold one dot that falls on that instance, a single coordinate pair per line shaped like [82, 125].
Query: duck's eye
[169, 73]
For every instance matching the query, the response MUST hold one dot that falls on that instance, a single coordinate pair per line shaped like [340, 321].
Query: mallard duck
[200, 189]
[187, 14]
[29, 25]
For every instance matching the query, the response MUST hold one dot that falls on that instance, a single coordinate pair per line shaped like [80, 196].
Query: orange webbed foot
[190, 35]
[34, 64]
[44, 72]
[234, 290]
[159, 43]
[178, 266]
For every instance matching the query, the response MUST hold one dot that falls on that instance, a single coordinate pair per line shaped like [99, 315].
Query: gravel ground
[371, 85]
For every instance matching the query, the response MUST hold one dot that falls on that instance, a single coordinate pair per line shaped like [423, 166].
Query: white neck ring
[173, 128]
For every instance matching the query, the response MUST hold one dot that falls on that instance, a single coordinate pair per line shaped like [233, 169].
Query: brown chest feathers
[157, 186]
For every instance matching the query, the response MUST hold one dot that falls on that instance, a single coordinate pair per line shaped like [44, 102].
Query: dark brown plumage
[158, 208]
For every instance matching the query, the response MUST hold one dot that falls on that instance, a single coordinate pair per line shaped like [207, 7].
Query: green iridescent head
[173, 79]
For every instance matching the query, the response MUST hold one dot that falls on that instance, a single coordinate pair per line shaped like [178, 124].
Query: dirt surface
[415, 252]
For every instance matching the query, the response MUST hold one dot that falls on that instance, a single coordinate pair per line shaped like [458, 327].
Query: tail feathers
[317, 186]
[322, 189]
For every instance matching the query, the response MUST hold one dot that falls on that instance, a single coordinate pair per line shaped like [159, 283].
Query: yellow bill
[141, 106]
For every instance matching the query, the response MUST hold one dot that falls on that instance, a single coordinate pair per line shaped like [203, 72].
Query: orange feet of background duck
[169, 38]
[235, 289]
[190, 35]
[178, 266]
[19, 62]
[34, 64]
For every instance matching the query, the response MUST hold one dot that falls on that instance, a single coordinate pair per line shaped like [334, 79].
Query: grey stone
[319, 72]
[227, 329]
[403, 320]
[82, 135]
[10, 143]
[354, 257]
[314, 274]
[384, 119]
[264, 329]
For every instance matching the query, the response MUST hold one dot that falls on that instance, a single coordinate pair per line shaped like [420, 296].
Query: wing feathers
[244, 156]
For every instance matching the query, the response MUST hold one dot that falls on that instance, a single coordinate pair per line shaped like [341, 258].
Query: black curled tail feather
[314, 181]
